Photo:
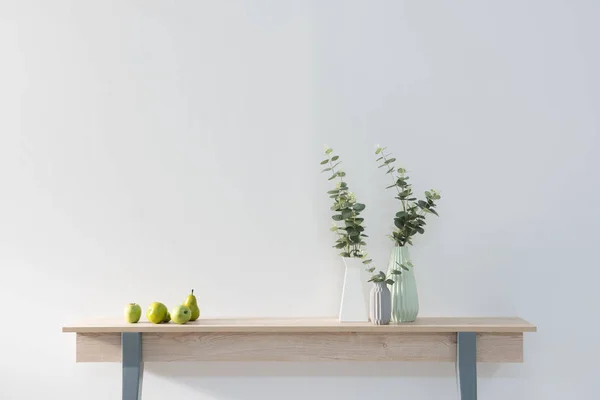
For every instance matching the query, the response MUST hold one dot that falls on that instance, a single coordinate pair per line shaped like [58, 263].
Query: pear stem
[192, 292]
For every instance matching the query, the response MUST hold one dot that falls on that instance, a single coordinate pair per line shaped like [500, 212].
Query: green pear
[157, 312]
[181, 314]
[132, 313]
[167, 318]
[192, 303]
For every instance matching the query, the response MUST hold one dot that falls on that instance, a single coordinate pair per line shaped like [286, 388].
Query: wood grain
[98, 347]
[308, 325]
[346, 346]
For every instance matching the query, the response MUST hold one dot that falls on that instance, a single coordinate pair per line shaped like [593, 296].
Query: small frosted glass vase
[405, 301]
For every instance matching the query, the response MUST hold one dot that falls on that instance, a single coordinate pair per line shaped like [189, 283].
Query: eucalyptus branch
[332, 169]
[389, 162]
[382, 277]
[348, 225]
[411, 220]
[391, 170]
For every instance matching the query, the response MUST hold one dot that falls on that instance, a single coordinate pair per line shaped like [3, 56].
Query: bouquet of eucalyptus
[348, 225]
[410, 220]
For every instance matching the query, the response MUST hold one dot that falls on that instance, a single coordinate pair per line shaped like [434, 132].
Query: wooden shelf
[302, 339]
[308, 325]
[465, 341]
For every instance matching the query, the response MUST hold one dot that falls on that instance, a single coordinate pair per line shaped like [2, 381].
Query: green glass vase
[405, 300]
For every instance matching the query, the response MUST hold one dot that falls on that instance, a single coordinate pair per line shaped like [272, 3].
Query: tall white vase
[353, 307]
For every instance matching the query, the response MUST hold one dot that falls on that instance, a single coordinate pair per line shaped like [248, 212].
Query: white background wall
[147, 147]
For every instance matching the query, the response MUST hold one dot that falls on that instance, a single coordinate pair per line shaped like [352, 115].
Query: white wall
[147, 147]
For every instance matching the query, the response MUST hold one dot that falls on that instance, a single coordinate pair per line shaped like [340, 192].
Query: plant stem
[337, 200]
[395, 179]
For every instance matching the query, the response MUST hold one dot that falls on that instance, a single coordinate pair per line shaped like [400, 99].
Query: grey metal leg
[133, 366]
[466, 365]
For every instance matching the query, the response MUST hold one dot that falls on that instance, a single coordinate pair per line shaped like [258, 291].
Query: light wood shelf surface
[308, 325]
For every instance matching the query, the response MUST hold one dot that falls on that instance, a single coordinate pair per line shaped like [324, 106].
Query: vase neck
[352, 261]
[400, 254]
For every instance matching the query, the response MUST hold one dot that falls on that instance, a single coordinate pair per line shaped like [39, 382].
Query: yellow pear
[157, 312]
[192, 303]
[167, 318]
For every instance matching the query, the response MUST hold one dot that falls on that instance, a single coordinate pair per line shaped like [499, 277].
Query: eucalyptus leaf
[347, 213]
[358, 207]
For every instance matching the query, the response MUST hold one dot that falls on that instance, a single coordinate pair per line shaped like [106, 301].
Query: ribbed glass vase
[405, 300]
[380, 305]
